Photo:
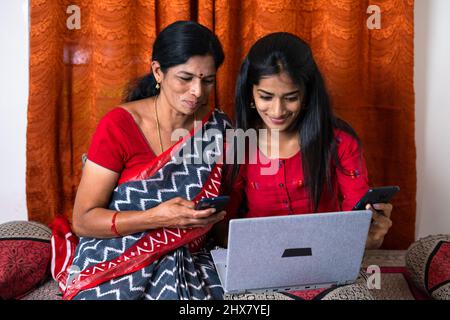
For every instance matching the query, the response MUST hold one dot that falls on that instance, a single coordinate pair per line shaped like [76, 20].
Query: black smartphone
[219, 203]
[377, 195]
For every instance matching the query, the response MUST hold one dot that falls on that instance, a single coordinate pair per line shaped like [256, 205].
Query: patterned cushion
[24, 257]
[355, 291]
[49, 290]
[428, 262]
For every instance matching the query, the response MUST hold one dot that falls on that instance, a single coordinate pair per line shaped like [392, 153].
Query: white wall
[432, 86]
[13, 107]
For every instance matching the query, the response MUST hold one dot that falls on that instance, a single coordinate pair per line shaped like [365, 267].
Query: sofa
[419, 273]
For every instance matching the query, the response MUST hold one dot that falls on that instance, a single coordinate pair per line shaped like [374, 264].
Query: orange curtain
[77, 75]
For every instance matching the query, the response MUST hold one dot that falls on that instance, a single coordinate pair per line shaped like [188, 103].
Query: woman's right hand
[180, 213]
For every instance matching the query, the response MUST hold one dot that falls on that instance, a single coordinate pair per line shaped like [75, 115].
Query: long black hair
[175, 45]
[284, 52]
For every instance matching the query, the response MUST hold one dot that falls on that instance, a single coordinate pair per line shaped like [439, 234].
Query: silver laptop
[294, 252]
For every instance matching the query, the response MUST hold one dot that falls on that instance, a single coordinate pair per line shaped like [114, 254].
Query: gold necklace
[158, 128]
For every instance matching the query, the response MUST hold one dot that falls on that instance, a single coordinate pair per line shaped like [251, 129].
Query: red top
[284, 193]
[119, 145]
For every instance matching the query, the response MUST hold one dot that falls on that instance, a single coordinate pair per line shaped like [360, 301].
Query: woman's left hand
[381, 223]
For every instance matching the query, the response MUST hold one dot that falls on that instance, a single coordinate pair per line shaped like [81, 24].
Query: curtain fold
[77, 75]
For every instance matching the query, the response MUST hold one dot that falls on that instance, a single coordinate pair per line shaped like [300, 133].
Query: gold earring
[157, 86]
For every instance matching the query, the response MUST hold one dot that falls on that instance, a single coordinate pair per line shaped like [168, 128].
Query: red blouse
[284, 192]
[119, 145]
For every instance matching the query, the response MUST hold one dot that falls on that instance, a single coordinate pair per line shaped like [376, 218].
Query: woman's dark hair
[285, 52]
[175, 45]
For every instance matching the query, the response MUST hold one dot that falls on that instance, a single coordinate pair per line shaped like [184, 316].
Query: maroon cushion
[24, 257]
[428, 262]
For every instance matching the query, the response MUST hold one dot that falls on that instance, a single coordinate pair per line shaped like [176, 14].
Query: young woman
[320, 166]
[140, 237]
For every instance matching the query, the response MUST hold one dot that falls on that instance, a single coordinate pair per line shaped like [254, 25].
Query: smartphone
[219, 203]
[376, 195]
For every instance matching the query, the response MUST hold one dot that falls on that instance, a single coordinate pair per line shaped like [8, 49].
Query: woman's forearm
[97, 223]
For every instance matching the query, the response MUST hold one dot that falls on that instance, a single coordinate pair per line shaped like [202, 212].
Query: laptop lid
[295, 250]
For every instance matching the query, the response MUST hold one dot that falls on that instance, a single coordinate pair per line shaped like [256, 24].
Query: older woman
[140, 237]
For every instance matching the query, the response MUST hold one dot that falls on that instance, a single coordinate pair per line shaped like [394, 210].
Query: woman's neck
[280, 144]
[169, 118]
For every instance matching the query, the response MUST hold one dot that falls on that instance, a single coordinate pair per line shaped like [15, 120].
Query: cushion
[49, 290]
[355, 291]
[428, 263]
[24, 257]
